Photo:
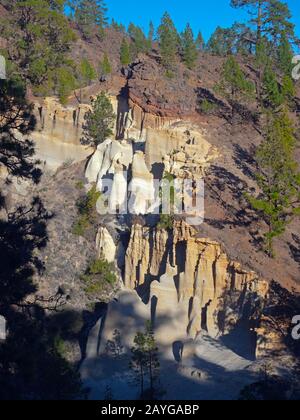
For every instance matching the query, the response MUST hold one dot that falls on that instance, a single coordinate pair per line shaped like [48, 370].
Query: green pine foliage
[87, 72]
[220, 42]
[91, 15]
[87, 215]
[200, 43]
[278, 177]
[285, 55]
[234, 85]
[39, 38]
[151, 34]
[105, 66]
[168, 41]
[66, 84]
[189, 48]
[275, 93]
[98, 122]
[139, 42]
[125, 54]
[98, 278]
[271, 92]
[145, 363]
[271, 19]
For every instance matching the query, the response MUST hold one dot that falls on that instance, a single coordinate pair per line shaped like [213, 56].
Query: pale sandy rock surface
[201, 278]
[105, 245]
[206, 370]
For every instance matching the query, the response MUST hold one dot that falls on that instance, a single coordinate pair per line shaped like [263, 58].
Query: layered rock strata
[183, 269]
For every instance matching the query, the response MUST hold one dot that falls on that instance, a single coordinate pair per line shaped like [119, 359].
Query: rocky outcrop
[164, 143]
[184, 270]
[105, 245]
[105, 158]
[142, 192]
[58, 131]
[145, 255]
[123, 175]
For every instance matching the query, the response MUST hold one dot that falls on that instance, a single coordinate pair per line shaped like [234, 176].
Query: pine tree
[144, 362]
[139, 42]
[87, 72]
[125, 56]
[66, 84]
[270, 17]
[39, 38]
[151, 34]
[262, 61]
[285, 55]
[288, 90]
[118, 26]
[115, 347]
[243, 39]
[277, 22]
[98, 122]
[91, 14]
[168, 41]
[105, 66]
[271, 95]
[73, 6]
[221, 42]
[138, 362]
[233, 84]
[200, 43]
[278, 177]
[256, 9]
[152, 359]
[189, 49]
[275, 93]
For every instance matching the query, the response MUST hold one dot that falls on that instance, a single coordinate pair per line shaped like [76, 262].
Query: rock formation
[181, 268]
[105, 245]
[145, 255]
[105, 158]
[58, 131]
[142, 193]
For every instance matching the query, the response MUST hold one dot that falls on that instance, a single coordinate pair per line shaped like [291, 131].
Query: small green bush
[79, 185]
[99, 275]
[170, 74]
[207, 107]
[60, 346]
[168, 189]
[166, 222]
[87, 212]
[81, 225]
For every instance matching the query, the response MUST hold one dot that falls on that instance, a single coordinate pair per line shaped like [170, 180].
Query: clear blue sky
[204, 15]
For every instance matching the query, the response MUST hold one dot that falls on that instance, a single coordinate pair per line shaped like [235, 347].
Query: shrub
[79, 185]
[207, 107]
[166, 222]
[168, 189]
[170, 74]
[99, 276]
[87, 212]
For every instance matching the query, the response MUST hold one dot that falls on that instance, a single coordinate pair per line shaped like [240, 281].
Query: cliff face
[58, 131]
[179, 269]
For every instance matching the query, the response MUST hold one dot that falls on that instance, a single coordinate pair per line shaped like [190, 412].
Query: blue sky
[205, 15]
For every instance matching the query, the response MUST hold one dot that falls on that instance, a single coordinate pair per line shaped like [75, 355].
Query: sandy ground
[206, 370]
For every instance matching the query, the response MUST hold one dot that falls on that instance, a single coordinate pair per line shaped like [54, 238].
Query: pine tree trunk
[142, 380]
[259, 22]
[151, 376]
